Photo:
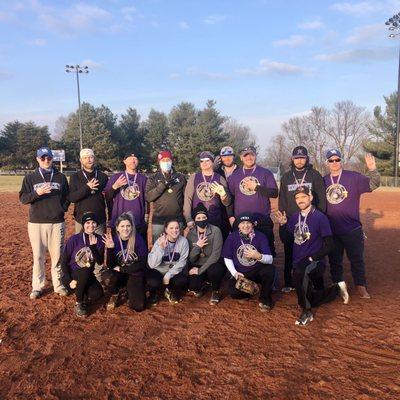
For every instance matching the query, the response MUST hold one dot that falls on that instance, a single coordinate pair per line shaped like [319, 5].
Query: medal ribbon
[301, 224]
[84, 174]
[84, 242]
[171, 258]
[134, 180]
[125, 254]
[298, 182]
[51, 176]
[338, 180]
[252, 171]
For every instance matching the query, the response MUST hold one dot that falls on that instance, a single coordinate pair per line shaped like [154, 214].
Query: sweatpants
[288, 241]
[213, 274]
[135, 286]
[353, 243]
[87, 286]
[263, 274]
[45, 237]
[307, 294]
[177, 284]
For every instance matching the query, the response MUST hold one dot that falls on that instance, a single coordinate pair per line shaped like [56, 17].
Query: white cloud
[38, 42]
[292, 41]
[208, 75]
[311, 25]
[267, 67]
[214, 19]
[183, 25]
[362, 8]
[175, 76]
[360, 55]
[367, 33]
[92, 64]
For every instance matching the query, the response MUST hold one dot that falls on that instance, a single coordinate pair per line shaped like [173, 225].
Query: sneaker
[62, 292]
[80, 309]
[344, 294]
[305, 317]
[362, 291]
[171, 297]
[264, 307]
[112, 303]
[35, 294]
[153, 300]
[215, 298]
[287, 289]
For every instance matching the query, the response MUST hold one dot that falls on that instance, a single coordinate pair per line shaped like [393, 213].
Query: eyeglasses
[336, 160]
[48, 158]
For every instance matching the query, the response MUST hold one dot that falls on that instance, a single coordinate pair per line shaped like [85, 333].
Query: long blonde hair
[127, 216]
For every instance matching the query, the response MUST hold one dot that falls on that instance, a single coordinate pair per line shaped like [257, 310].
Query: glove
[247, 286]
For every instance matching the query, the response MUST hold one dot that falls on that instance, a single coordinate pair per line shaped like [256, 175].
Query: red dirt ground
[195, 351]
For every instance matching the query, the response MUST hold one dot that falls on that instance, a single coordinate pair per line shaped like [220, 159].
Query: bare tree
[277, 153]
[240, 135]
[60, 127]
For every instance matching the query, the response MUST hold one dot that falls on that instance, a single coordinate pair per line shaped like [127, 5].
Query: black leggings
[87, 286]
[177, 284]
[213, 274]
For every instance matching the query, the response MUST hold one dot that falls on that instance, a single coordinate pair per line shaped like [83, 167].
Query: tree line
[186, 130]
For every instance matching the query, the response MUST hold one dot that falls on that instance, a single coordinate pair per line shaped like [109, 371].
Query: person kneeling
[80, 255]
[126, 260]
[167, 264]
[205, 263]
[247, 254]
[312, 242]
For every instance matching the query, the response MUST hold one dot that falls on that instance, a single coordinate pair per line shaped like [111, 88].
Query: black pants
[135, 286]
[288, 242]
[307, 294]
[267, 228]
[213, 274]
[263, 274]
[177, 284]
[87, 286]
[353, 243]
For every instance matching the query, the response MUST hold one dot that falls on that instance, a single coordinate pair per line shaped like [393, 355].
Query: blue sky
[263, 61]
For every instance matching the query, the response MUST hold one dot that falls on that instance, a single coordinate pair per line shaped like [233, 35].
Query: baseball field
[195, 351]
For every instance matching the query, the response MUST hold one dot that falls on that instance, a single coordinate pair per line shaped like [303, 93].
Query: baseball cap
[302, 189]
[333, 152]
[299, 152]
[164, 154]
[44, 151]
[86, 153]
[129, 154]
[89, 216]
[227, 151]
[244, 217]
[206, 155]
[248, 150]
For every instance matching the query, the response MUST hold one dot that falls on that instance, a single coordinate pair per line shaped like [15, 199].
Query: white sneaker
[62, 292]
[35, 294]
[344, 294]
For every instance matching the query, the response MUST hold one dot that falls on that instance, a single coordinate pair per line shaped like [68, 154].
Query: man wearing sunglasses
[46, 190]
[343, 191]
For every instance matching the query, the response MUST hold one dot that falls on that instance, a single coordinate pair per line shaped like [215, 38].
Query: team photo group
[141, 238]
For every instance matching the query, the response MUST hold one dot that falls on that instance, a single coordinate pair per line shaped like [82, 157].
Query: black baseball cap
[302, 189]
[248, 150]
[299, 152]
[89, 216]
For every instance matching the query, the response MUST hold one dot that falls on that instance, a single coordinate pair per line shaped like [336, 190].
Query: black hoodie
[312, 179]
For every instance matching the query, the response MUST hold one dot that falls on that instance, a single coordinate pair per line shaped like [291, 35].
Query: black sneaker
[215, 298]
[171, 297]
[80, 309]
[153, 300]
[305, 317]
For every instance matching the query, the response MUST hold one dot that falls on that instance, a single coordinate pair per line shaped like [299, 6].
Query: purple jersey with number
[251, 201]
[203, 194]
[75, 244]
[343, 202]
[308, 236]
[129, 198]
[233, 249]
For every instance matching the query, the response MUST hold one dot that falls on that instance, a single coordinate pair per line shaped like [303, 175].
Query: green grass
[10, 183]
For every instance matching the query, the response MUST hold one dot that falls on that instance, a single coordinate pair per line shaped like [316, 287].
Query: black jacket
[312, 179]
[48, 208]
[167, 196]
[80, 194]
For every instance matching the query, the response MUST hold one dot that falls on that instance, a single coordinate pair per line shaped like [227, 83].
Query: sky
[263, 61]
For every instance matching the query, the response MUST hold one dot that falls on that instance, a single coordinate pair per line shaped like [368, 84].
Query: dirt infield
[195, 351]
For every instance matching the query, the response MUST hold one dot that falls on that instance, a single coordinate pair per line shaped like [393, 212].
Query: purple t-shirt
[251, 201]
[343, 200]
[75, 252]
[308, 237]
[235, 244]
[203, 194]
[129, 198]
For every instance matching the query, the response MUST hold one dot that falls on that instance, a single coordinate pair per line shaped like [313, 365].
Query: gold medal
[170, 190]
[345, 193]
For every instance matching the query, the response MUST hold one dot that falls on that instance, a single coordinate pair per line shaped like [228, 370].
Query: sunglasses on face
[336, 160]
[46, 158]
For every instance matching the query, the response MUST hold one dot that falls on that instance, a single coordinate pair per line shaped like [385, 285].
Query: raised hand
[281, 217]
[108, 241]
[250, 184]
[253, 254]
[218, 189]
[44, 189]
[93, 184]
[163, 241]
[121, 181]
[370, 161]
[202, 242]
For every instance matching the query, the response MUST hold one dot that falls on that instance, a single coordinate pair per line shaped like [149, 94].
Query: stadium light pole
[78, 70]
[394, 26]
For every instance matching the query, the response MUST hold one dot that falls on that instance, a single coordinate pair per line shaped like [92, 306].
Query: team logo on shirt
[131, 192]
[204, 191]
[243, 187]
[301, 235]
[131, 258]
[247, 262]
[84, 257]
[53, 185]
[336, 193]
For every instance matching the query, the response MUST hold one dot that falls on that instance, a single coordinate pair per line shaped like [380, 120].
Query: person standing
[125, 191]
[252, 187]
[300, 174]
[46, 190]
[343, 192]
[226, 162]
[210, 189]
[165, 189]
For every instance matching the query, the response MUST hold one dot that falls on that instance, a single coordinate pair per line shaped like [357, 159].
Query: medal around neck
[247, 262]
[336, 193]
[84, 257]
